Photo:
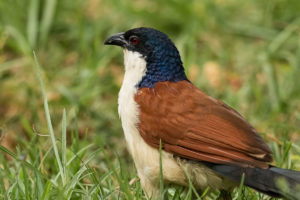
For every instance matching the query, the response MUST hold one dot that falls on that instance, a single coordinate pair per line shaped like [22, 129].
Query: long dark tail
[274, 181]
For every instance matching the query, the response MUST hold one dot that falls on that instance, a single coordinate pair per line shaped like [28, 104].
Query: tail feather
[264, 180]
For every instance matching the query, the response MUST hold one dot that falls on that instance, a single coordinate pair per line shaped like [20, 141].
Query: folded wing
[192, 125]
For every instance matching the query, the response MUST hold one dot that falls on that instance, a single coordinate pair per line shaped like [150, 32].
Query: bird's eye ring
[134, 40]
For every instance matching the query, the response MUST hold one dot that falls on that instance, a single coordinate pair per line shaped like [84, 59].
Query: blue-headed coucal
[200, 135]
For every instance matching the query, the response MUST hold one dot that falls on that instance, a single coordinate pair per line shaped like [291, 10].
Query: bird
[199, 139]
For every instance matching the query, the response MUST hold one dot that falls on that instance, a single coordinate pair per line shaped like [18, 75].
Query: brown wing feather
[196, 126]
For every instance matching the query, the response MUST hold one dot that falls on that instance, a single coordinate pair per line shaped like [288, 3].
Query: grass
[246, 53]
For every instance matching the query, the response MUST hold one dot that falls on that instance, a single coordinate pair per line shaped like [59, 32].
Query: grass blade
[13, 155]
[272, 82]
[64, 143]
[46, 190]
[48, 117]
[240, 190]
[32, 26]
[19, 38]
[48, 15]
[26, 183]
[161, 175]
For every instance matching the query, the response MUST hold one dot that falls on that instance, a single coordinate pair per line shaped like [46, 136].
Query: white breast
[145, 157]
[135, 69]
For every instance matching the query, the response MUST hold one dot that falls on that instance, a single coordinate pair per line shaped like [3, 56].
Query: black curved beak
[116, 39]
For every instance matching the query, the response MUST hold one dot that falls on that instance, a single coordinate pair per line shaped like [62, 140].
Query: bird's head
[163, 62]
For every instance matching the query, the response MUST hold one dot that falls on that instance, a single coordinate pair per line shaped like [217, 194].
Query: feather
[264, 180]
[195, 126]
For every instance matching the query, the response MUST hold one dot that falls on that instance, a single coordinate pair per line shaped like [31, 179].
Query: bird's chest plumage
[135, 69]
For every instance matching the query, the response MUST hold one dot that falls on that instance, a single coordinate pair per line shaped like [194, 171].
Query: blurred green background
[246, 53]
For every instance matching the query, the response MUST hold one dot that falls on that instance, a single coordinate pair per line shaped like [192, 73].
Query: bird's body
[201, 137]
[146, 157]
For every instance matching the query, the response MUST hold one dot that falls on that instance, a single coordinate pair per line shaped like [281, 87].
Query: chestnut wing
[192, 125]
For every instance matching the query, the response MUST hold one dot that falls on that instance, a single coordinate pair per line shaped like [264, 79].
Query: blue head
[162, 58]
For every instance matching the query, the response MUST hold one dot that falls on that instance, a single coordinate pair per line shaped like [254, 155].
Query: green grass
[246, 53]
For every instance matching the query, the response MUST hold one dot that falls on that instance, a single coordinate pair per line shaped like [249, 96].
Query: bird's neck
[168, 67]
[145, 72]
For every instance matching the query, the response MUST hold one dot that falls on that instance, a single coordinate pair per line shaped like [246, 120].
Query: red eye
[134, 40]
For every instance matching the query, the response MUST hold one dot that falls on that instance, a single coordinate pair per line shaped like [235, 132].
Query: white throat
[135, 69]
